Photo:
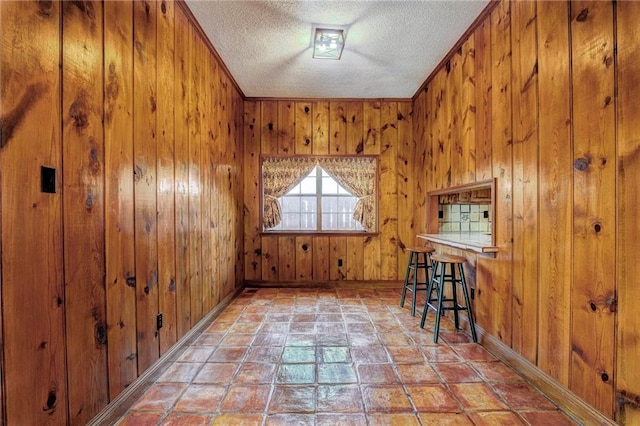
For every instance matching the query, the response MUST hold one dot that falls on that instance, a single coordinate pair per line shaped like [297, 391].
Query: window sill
[319, 234]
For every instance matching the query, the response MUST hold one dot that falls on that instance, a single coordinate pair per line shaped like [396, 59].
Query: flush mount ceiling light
[328, 43]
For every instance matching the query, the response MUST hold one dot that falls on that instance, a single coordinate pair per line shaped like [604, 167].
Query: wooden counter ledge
[479, 242]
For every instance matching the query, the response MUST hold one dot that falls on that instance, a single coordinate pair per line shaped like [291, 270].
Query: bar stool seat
[440, 304]
[414, 265]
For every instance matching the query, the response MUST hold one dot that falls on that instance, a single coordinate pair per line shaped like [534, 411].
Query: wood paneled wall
[542, 96]
[143, 127]
[331, 127]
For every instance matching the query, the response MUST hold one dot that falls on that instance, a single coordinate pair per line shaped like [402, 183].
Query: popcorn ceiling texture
[391, 46]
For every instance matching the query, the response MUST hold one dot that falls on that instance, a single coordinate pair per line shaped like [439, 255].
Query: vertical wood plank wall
[556, 96]
[144, 129]
[331, 127]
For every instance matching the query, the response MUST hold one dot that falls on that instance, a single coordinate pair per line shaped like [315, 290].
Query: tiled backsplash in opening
[464, 218]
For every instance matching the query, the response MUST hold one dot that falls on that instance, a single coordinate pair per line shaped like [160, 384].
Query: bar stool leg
[416, 261]
[439, 305]
[434, 273]
[406, 280]
[472, 323]
[454, 294]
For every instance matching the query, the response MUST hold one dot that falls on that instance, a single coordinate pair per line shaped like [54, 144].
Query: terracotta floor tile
[417, 373]
[293, 399]
[269, 339]
[238, 419]
[547, 418]
[196, 354]
[159, 397]
[330, 327]
[496, 418]
[386, 399]
[369, 354]
[182, 419]
[433, 398]
[237, 339]
[454, 336]
[333, 354]
[308, 318]
[335, 373]
[396, 339]
[456, 372]
[363, 339]
[219, 325]
[200, 399]
[255, 373]
[356, 317]
[248, 317]
[386, 327]
[182, 372]
[216, 373]
[377, 373]
[302, 327]
[274, 327]
[360, 327]
[140, 419]
[257, 310]
[473, 352]
[298, 354]
[339, 399]
[405, 419]
[301, 339]
[246, 399]
[440, 354]
[496, 372]
[228, 354]
[477, 396]
[264, 354]
[521, 396]
[341, 420]
[444, 419]
[331, 339]
[296, 373]
[209, 339]
[290, 419]
[404, 354]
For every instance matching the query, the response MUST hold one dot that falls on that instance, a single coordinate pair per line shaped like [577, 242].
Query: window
[319, 194]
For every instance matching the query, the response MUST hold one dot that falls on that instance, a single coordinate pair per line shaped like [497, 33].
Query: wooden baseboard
[379, 285]
[574, 406]
[119, 406]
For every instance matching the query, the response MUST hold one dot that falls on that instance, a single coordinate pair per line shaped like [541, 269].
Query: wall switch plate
[473, 293]
[485, 214]
[159, 321]
[440, 214]
[48, 179]
[339, 262]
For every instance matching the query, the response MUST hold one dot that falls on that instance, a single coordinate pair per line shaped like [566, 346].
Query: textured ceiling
[390, 48]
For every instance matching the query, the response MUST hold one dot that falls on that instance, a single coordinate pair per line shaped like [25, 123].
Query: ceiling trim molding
[474, 25]
[185, 8]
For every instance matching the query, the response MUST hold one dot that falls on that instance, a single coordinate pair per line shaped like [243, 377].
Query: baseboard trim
[381, 285]
[570, 403]
[119, 406]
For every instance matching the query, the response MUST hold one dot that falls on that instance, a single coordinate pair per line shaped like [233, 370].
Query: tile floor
[336, 357]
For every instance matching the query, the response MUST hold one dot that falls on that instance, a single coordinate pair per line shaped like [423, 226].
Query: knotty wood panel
[484, 90]
[208, 165]
[286, 127]
[165, 171]
[338, 128]
[119, 225]
[195, 178]
[387, 267]
[31, 253]
[252, 251]
[83, 209]
[304, 258]
[467, 172]
[182, 67]
[406, 218]
[371, 245]
[501, 285]
[269, 134]
[525, 178]
[320, 128]
[338, 252]
[287, 258]
[594, 201]
[321, 258]
[270, 256]
[303, 128]
[555, 190]
[145, 178]
[628, 349]
[456, 155]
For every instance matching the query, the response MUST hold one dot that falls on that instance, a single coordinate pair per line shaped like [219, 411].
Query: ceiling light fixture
[328, 43]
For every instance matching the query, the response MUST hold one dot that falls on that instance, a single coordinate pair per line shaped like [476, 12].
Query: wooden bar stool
[415, 264]
[437, 282]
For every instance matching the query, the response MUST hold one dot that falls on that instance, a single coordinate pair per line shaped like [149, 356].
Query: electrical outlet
[440, 214]
[339, 262]
[159, 321]
[485, 214]
[48, 180]
[473, 293]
